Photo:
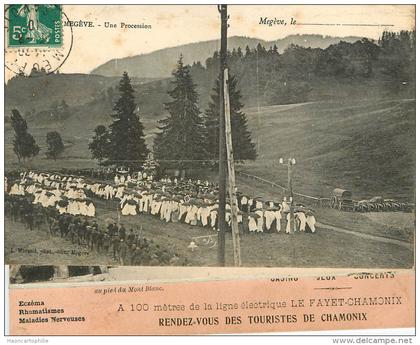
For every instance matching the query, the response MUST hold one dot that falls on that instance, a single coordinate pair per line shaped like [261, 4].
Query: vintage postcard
[210, 144]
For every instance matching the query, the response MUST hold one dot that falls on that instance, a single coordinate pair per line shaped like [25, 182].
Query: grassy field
[367, 147]
[325, 248]
[395, 225]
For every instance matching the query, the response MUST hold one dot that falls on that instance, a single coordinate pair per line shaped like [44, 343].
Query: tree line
[268, 77]
[187, 137]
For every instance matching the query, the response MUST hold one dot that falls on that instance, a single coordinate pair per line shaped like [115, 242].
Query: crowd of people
[126, 247]
[60, 204]
[193, 202]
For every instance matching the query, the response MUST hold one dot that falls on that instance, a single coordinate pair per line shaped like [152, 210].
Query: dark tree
[243, 147]
[181, 141]
[55, 145]
[99, 146]
[24, 144]
[247, 51]
[127, 146]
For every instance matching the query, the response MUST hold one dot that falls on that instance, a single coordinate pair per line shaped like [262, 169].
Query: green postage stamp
[35, 26]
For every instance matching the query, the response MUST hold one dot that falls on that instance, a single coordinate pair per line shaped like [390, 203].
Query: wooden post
[222, 143]
[289, 183]
[231, 177]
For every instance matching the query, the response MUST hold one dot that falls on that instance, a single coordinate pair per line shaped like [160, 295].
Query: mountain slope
[366, 146]
[160, 63]
[43, 93]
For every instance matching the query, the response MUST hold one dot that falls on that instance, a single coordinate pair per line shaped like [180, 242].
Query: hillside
[43, 94]
[367, 146]
[160, 63]
[346, 112]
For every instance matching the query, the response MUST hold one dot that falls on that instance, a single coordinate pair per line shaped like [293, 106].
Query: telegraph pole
[289, 183]
[231, 177]
[290, 163]
[222, 140]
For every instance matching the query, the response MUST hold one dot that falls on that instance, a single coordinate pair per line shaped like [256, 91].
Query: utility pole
[289, 183]
[231, 177]
[222, 141]
[290, 163]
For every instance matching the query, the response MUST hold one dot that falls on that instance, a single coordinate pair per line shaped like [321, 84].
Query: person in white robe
[252, 223]
[213, 216]
[183, 208]
[155, 206]
[204, 215]
[129, 208]
[120, 192]
[302, 220]
[14, 190]
[163, 208]
[83, 208]
[278, 216]
[37, 195]
[260, 220]
[73, 207]
[270, 217]
[189, 214]
[123, 199]
[109, 192]
[52, 199]
[288, 226]
[43, 199]
[311, 221]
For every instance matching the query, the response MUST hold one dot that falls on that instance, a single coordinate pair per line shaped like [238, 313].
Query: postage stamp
[35, 26]
[38, 43]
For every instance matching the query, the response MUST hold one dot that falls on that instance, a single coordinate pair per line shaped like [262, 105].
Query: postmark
[37, 41]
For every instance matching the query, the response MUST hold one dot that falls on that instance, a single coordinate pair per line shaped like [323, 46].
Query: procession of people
[67, 204]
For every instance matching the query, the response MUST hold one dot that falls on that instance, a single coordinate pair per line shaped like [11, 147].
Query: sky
[174, 25]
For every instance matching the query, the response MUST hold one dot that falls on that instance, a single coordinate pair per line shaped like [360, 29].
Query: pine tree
[182, 138]
[247, 51]
[243, 147]
[99, 146]
[127, 146]
[24, 144]
[55, 145]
